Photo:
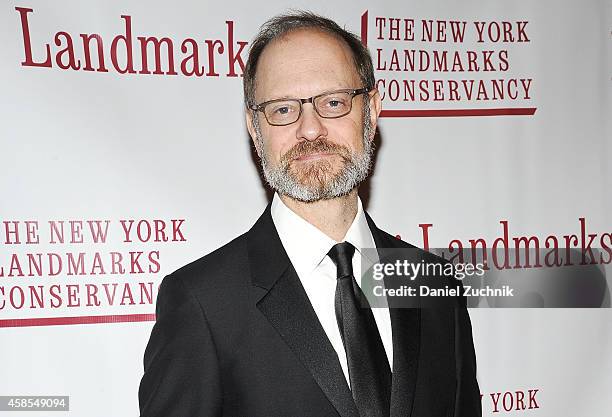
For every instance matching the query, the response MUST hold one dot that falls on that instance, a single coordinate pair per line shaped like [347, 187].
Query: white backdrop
[85, 150]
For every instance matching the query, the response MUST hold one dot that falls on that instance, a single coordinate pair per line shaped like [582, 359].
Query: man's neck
[333, 217]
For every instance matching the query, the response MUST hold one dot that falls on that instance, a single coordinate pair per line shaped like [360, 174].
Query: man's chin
[315, 184]
[314, 172]
[309, 182]
[314, 196]
[317, 189]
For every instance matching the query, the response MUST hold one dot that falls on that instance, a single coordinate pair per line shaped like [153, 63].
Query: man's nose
[310, 125]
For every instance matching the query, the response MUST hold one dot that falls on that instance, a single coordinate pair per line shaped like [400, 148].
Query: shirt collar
[306, 245]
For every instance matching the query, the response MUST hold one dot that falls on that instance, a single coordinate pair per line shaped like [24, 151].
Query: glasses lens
[282, 112]
[334, 104]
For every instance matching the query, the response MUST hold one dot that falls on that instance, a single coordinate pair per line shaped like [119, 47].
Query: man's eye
[282, 110]
[335, 102]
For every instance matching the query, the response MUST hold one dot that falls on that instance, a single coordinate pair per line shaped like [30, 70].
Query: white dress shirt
[307, 249]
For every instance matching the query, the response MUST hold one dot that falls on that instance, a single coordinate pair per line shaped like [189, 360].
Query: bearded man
[275, 322]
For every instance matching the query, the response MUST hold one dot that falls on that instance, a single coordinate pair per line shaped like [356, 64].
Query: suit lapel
[283, 301]
[406, 330]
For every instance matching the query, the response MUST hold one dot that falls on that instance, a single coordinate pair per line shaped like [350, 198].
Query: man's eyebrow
[286, 96]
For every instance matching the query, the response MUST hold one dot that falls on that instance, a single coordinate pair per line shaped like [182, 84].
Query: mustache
[306, 148]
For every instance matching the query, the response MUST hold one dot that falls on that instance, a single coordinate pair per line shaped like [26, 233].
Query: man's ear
[375, 109]
[251, 128]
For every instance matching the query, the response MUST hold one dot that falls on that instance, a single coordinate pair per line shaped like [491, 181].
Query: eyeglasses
[330, 105]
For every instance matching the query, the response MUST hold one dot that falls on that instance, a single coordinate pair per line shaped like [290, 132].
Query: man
[272, 324]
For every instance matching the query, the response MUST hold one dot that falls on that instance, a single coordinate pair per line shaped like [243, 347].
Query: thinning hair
[280, 25]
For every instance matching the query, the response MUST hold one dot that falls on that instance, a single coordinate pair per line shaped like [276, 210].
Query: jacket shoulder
[389, 241]
[222, 267]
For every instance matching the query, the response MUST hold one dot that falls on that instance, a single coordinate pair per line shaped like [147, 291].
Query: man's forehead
[308, 34]
[304, 61]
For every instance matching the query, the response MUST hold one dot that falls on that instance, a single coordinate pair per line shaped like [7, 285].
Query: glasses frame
[353, 92]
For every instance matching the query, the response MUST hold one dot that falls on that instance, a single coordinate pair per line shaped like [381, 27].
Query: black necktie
[369, 371]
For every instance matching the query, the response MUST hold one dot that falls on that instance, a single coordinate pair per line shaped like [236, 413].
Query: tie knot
[342, 255]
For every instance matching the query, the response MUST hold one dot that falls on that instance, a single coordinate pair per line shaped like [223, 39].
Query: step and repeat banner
[124, 155]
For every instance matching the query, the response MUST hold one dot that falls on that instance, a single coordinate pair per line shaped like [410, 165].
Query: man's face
[314, 158]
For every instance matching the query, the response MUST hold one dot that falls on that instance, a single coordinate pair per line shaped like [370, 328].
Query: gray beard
[355, 170]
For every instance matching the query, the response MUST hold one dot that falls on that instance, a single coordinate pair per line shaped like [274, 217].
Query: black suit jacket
[236, 336]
